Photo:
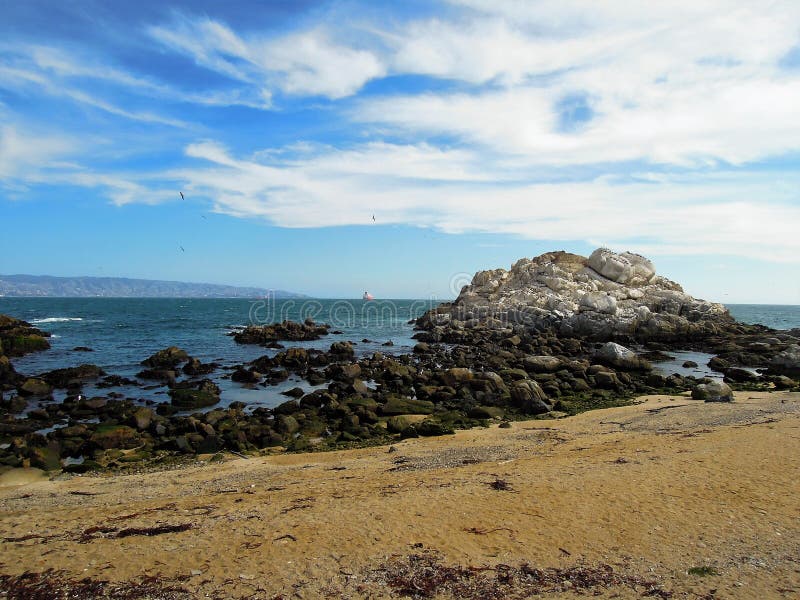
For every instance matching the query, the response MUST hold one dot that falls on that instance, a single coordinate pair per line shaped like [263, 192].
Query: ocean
[124, 331]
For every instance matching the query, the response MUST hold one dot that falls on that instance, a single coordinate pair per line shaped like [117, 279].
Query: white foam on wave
[56, 319]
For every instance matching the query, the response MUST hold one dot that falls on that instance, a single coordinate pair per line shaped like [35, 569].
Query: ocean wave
[56, 320]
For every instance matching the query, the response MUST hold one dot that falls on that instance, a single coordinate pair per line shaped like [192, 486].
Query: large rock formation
[606, 296]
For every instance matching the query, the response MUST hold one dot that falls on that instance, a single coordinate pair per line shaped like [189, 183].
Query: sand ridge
[652, 489]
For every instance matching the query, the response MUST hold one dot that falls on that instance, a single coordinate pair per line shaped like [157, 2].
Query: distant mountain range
[121, 287]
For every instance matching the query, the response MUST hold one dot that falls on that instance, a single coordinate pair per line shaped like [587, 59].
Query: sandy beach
[674, 497]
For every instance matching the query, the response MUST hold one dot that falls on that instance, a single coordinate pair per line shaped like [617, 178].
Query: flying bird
[181, 247]
[373, 218]
[182, 198]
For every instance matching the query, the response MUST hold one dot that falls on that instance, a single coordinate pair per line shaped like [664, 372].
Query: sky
[332, 147]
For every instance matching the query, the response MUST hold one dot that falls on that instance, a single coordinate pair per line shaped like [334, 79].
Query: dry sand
[651, 490]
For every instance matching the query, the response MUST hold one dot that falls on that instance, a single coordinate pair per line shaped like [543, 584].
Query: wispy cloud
[708, 214]
[307, 63]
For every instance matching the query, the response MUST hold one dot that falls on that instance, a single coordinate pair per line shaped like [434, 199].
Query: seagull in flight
[182, 198]
[181, 247]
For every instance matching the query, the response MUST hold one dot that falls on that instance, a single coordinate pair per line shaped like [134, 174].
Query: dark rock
[786, 362]
[241, 375]
[295, 392]
[47, 458]
[18, 337]
[115, 436]
[656, 355]
[35, 387]
[94, 403]
[737, 375]
[286, 331]
[206, 393]
[287, 408]
[606, 380]
[432, 427]
[7, 373]
[71, 376]
[169, 358]
[718, 364]
[194, 367]
[296, 359]
[542, 364]
[782, 382]
[82, 349]
[398, 405]
[164, 375]
[142, 418]
[529, 397]
[16, 404]
[398, 424]
[690, 364]
[456, 376]
[342, 350]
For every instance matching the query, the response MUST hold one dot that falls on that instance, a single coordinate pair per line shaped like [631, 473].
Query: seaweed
[424, 575]
[57, 584]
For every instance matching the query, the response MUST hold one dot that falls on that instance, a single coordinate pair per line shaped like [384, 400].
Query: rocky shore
[556, 335]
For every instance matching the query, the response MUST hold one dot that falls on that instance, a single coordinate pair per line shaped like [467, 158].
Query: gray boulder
[529, 397]
[787, 362]
[615, 355]
[716, 391]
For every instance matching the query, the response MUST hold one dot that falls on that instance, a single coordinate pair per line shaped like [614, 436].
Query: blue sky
[475, 131]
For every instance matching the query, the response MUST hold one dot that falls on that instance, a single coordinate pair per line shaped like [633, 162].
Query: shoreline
[653, 489]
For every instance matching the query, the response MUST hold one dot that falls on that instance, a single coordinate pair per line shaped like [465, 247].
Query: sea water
[124, 331]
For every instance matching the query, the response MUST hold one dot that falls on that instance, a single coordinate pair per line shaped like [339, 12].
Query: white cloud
[305, 63]
[23, 153]
[713, 214]
[670, 86]
[22, 79]
[58, 71]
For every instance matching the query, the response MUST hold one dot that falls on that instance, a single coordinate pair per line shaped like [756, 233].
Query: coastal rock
[72, 376]
[18, 337]
[542, 364]
[194, 367]
[35, 387]
[115, 436]
[615, 355]
[715, 391]
[286, 331]
[787, 362]
[168, 358]
[529, 397]
[737, 375]
[206, 393]
[605, 297]
[342, 350]
[397, 405]
[7, 373]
